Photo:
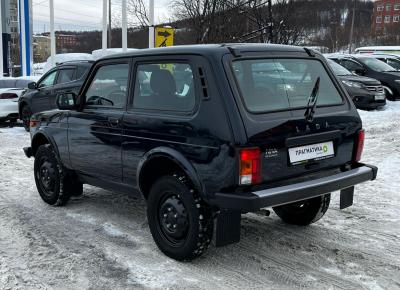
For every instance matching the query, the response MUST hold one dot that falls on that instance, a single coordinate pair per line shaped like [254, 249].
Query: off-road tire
[63, 185]
[199, 217]
[304, 212]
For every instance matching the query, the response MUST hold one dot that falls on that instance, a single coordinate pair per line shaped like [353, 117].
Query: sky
[81, 14]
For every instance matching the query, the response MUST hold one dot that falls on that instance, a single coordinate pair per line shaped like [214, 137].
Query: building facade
[386, 15]
[66, 42]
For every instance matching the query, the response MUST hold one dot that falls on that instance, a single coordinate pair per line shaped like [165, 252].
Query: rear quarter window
[268, 85]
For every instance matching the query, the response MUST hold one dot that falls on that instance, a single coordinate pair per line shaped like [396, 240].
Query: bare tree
[139, 10]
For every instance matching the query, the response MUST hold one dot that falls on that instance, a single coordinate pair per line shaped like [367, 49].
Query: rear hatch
[274, 94]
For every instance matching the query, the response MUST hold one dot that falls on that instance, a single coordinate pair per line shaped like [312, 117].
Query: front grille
[375, 89]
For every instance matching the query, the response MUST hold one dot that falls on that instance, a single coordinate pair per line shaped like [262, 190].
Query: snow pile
[99, 53]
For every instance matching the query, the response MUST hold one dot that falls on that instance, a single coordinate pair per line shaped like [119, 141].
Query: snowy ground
[101, 240]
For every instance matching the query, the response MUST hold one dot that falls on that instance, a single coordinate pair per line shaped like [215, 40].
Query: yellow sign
[164, 37]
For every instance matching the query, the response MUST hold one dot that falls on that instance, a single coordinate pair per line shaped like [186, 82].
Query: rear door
[274, 93]
[64, 84]
[40, 101]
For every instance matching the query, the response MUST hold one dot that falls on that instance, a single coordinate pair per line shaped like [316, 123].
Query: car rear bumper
[253, 201]
[8, 109]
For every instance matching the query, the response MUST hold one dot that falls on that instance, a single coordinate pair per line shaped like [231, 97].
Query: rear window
[282, 84]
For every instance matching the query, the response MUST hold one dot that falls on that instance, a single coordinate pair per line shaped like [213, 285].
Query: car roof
[210, 49]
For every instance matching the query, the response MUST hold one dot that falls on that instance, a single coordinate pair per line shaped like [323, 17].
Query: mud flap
[228, 227]
[346, 197]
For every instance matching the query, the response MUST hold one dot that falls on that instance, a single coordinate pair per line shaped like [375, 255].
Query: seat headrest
[162, 82]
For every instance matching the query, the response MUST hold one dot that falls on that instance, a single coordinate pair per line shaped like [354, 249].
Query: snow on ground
[101, 240]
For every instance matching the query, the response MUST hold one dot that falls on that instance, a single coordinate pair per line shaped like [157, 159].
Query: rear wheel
[26, 114]
[304, 212]
[180, 222]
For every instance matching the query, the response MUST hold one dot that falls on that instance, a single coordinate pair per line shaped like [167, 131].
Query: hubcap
[174, 222]
[47, 176]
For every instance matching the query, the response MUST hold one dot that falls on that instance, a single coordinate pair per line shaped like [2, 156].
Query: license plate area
[313, 152]
[380, 97]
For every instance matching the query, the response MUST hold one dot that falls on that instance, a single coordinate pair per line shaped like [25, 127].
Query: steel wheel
[173, 222]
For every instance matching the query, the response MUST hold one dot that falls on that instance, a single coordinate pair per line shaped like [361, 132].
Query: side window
[109, 86]
[81, 70]
[351, 65]
[65, 76]
[164, 86]
[48, 80]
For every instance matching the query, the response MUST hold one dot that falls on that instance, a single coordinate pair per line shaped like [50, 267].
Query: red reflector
[5, 96]
[33, 123]
[250, 166]
[359, 145]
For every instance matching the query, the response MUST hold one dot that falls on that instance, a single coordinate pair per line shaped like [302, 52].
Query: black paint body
[111, 147]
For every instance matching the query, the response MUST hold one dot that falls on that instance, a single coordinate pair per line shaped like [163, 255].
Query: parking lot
[101, 240]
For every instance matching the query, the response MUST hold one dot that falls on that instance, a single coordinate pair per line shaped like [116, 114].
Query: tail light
[33, 123]
[5, 96]
[250, 166]
[359, 145]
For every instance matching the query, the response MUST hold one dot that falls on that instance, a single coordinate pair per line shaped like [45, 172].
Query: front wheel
[180, 222]
[304, 212]
[54, 184]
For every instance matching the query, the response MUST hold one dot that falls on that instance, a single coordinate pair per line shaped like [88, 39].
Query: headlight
[397, 81]
[354, 84]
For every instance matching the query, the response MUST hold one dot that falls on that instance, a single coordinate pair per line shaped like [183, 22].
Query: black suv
[365, 65]
[41, 96]
[390, 59]
[205, 133]
[366, 93]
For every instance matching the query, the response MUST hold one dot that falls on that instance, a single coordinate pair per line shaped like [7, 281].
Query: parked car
[366, 65]
[390, 59]
[366, 93]
[202, 135]
[9, 104]
[41, 96]
[10, 91]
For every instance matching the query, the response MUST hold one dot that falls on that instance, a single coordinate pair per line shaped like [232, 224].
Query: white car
[9, 104]
[10, 91]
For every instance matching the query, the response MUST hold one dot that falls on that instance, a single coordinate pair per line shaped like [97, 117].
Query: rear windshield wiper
[312, 102]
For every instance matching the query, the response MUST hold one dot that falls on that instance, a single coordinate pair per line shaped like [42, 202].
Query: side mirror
[67, 101]
[32, 86]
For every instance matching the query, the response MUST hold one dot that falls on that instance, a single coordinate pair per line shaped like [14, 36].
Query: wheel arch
[20, 105]
[161, 161]
[41, 138]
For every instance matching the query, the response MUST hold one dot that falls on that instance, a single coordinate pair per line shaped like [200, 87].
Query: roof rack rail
[73, 61]
[309, 51]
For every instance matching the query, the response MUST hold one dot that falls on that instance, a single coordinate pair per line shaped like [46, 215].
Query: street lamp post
[52, 34]
[104, 32]
[1, 47]
[124, 27]
[151, 24]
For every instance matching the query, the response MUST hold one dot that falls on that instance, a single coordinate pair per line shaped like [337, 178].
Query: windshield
[394, 62]
[376, 64]
[338, 69]
[282, 84]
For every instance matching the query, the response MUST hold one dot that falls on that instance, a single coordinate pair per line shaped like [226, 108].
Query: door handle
[114, 121]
